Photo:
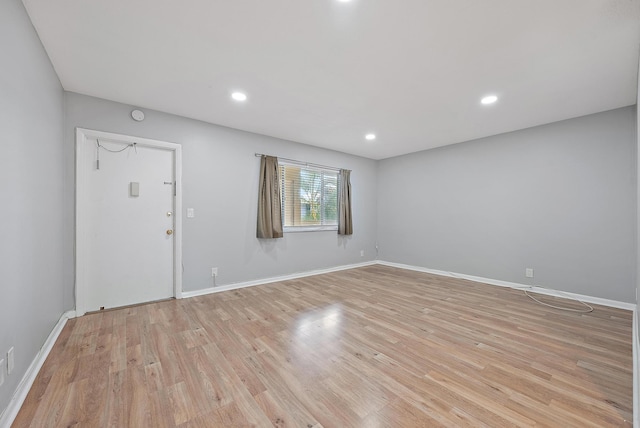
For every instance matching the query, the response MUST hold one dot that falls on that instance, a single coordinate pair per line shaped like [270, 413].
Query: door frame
[82, 207]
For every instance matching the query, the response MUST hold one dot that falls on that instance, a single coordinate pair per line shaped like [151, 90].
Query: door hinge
[174, 184]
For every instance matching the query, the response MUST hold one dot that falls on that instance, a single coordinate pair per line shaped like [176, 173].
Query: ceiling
[326, 72]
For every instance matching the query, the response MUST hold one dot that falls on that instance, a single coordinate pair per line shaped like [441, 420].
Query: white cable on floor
[588, 306]
[528, 288]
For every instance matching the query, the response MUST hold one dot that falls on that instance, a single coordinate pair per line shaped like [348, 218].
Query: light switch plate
[190, 213]
[2, 372]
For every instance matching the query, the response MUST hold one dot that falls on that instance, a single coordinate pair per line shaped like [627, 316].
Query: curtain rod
[302, 163]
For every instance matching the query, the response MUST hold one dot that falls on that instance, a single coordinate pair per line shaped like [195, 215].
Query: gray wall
[220, 181]
[31, 173]
[559, 198]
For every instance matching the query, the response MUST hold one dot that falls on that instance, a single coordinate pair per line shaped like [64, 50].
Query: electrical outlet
[214, 272]
[10, 361]
[528, 272]
[1, 372]
[361, 253]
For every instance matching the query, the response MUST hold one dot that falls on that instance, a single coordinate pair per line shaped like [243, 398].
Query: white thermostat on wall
[137, 115]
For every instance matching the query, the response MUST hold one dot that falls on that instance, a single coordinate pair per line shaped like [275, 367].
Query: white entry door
[126, 221]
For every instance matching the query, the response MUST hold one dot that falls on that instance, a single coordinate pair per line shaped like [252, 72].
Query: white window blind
[309, 197]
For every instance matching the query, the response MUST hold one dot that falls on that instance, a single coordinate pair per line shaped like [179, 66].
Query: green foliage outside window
[310, 197]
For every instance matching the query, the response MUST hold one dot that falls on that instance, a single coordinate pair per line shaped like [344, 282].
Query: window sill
[290, 229]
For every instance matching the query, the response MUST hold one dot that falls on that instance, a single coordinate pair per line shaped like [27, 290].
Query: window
[309, 198]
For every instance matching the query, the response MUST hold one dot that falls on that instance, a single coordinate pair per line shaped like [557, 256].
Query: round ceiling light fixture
[239, 96]
[489, 99]
[370, 137]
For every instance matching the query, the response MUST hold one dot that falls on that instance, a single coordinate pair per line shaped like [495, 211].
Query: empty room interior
[338, 213]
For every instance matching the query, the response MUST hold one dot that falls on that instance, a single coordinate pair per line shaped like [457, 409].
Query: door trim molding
[81, 229]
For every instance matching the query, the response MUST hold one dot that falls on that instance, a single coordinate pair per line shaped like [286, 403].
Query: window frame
[282, 164]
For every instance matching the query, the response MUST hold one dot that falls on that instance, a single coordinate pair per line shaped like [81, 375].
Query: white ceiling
[325, 72]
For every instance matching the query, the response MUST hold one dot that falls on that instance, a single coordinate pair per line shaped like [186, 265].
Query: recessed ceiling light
[370, 137]
[489, 99]
[239, 96]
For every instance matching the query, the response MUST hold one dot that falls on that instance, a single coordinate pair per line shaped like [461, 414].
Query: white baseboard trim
[636, 370]
[235, 286]
[500, 283]
[10, 413]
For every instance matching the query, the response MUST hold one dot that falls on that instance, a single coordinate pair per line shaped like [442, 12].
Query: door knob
[169, 232]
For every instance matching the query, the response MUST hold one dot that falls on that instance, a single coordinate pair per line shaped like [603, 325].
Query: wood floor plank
[369, 347]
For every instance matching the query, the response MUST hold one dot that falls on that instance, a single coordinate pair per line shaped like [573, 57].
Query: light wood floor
[368, 347]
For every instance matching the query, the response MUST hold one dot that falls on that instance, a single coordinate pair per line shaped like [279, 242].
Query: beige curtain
[269, 206]
[345, 226]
